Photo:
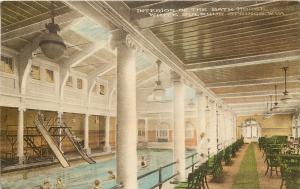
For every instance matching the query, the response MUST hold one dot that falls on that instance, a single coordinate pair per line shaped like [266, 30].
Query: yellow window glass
[49, 76]
[35, 72]
[6, 65]
[79, 83]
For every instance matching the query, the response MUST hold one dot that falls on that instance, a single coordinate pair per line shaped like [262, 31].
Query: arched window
[162, 132]
[141, 130]
[189, 130]
[251, 130]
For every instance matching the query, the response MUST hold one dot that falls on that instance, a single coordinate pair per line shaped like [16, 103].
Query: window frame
[47, 75]
[39, 72]
[69, 81]
[79, 80]
[4, 64]
[189, 131]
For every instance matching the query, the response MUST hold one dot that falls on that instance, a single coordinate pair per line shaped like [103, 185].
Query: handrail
[156, 170]
[193, 163]
[159, 170]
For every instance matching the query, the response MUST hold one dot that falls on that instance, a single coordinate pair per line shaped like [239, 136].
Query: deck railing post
[160, 177]
[193, 163]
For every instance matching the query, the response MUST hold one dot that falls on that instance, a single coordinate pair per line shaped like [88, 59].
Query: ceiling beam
[38, 26]
[90, 10]
[261, 81]
[149, 77]
[118, 15]
[78, 57]
[245, 61]
[255, 94]
[263, 108]
[100, 72]
[257, 103]
[260, 112]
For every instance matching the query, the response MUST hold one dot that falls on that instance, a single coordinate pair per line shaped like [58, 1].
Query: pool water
[82, 176]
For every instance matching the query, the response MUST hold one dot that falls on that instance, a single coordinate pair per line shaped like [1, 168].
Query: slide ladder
[44, 132]
[78, 147]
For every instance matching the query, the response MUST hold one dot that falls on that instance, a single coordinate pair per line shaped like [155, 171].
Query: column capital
[22, 108]
[119, 37]
[60, 112]
[200, 93]
[175, 77]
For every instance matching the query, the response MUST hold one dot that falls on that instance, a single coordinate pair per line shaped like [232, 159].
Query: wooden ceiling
[223, 37]
[237, 57]
[15, 13]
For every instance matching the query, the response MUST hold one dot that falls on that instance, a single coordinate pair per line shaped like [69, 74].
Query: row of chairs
[197, 179]
[288, 164]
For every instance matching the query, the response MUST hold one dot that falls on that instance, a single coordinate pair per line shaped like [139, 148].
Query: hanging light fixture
[286, 97]
[269, 109]
[191, 103]
[158, 91]
[207, 104]
[276, 107]
[51, 44]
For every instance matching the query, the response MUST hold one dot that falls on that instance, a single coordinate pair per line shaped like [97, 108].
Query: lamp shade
[52, 45]
[158, 92]
[286, 97]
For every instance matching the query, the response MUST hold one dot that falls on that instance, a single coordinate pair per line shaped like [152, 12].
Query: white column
[201, 118]
[227, 128]
[126, 153]
[146, 129]
[20, 137]
[212, 131]
[179, 127]
[222, 128]
[86, 134]
[234, 127]
[59, 124]
[107, 147]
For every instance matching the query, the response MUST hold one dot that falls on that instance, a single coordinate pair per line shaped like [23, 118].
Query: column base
[21, 159]
[107, 148]
[87, 151]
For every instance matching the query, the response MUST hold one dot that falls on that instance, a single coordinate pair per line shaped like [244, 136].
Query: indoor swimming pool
[82, 176]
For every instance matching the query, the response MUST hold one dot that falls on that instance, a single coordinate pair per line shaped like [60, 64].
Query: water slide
[59, 155]
[79, 147]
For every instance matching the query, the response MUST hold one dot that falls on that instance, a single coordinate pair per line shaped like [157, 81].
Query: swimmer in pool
[111, 175]
[97, 184]
[46, 185]
[59, 183]
[143, 162]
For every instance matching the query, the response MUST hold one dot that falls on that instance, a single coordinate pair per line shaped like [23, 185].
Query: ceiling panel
[211, 38]
[16, 14]
[249, 72]
[268, 87]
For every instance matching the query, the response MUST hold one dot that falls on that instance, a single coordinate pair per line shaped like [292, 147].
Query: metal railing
[193, 161]
[161, 181]
[159, 170]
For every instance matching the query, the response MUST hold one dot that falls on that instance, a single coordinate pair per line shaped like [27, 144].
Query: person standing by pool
[203, 147]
